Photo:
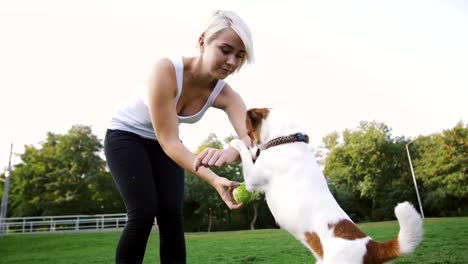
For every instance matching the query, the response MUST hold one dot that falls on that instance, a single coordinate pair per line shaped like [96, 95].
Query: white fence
[48, 224]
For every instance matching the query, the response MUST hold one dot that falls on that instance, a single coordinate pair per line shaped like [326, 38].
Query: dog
[281, 164]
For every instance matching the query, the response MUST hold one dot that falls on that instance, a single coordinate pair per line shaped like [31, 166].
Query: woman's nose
[232, 60]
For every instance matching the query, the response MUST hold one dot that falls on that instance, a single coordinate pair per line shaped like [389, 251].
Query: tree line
[367, 169]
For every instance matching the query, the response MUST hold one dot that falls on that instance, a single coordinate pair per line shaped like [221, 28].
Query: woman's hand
[215, 157]
[224, 187]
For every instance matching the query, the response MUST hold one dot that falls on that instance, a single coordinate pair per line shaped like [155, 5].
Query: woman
[142, 145]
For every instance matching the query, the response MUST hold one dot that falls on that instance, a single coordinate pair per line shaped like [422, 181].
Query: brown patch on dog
[253, 121]
[347, 230]
[313, 240]
[381, 252]
[376, 252]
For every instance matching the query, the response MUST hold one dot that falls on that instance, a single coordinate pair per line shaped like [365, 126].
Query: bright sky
[332, 63]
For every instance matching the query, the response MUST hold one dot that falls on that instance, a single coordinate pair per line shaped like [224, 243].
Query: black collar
[298, 137]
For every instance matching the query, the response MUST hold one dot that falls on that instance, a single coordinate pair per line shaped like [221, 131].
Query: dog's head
[254, 120]
[265, 124]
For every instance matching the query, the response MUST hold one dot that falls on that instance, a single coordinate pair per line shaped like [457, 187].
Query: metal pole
[414, 180]
[6, 190]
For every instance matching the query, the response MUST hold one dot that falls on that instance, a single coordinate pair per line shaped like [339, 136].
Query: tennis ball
[241, 195]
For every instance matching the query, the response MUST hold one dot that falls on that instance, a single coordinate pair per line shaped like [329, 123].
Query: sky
[330, 63]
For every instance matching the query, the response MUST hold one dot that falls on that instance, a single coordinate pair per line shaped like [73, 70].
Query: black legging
[151, 185]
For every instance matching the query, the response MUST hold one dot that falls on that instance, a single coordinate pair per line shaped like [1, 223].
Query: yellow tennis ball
[241, 195]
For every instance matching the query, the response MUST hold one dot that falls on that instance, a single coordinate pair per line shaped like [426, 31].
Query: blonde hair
[221, 20]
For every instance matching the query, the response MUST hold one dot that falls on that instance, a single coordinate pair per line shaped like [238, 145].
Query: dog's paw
[249, 187]
[237, 144]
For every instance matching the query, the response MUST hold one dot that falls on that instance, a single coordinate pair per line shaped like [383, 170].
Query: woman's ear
[201, 43]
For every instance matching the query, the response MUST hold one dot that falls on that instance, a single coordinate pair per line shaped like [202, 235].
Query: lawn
[445, 241]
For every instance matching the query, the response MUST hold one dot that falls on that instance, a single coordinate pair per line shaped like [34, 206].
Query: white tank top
[135, 117]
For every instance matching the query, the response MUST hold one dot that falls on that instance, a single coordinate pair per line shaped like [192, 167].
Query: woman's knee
[143, 216]
[170, 215]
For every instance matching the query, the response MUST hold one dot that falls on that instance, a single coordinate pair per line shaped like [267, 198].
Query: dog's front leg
[247, 163]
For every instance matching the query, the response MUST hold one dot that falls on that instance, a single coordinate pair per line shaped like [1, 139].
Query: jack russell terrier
[280, 164]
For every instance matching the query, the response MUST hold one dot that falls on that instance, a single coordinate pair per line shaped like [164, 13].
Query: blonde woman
[142, 146]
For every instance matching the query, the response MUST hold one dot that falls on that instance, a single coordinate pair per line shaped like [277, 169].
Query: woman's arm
[161, 98]
[233, 105]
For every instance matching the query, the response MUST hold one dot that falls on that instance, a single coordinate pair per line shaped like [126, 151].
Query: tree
[369, 168]
[441, 163]
[65, 175]
[329, 142]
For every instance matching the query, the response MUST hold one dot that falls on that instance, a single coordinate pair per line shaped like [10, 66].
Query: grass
[445, 241]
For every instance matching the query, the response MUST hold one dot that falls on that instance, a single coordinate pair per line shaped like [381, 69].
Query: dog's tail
[409, 237]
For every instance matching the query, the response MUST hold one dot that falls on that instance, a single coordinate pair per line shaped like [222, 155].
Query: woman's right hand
[215, 157]
[224, 188]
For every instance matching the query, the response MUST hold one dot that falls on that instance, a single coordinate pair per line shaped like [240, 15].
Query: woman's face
[224, 54]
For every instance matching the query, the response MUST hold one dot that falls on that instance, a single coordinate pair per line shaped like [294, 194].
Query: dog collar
[298, 137]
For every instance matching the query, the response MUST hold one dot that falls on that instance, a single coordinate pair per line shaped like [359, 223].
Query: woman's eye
[225, 50]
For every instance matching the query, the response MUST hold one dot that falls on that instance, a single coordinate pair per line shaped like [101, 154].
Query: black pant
[151, 185]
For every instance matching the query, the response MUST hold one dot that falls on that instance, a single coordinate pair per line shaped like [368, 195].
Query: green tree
[329, 142]
[368, 171]
[65, 175]
[441, 163]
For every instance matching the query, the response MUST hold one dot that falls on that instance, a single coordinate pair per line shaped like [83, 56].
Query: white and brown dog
[298, 196]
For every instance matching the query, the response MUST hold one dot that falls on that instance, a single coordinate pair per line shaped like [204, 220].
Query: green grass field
[445, 241]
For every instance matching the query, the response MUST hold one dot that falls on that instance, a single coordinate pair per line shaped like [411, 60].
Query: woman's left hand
[210, 157]
[224, 187]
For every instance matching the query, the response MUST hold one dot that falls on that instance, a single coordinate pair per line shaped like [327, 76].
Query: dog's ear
[254, 118]
[256, 115]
